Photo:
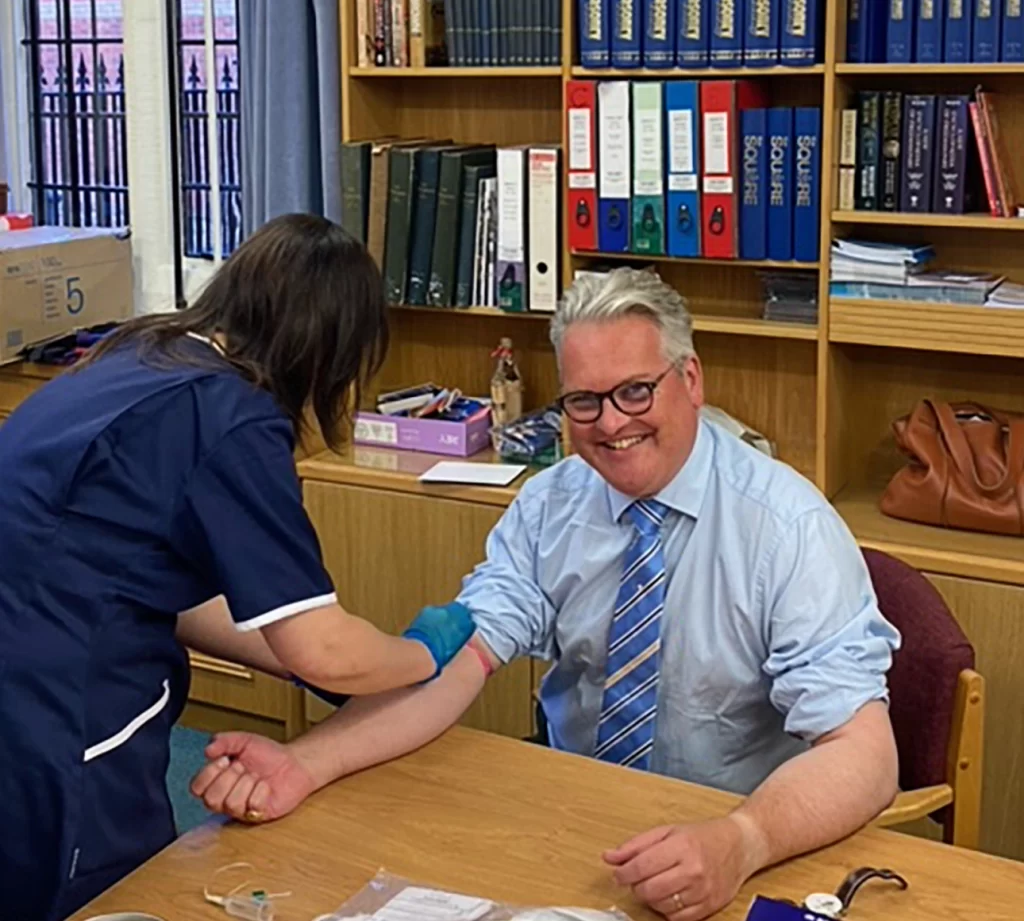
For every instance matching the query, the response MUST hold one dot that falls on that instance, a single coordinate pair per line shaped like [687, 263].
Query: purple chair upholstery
[923, 677]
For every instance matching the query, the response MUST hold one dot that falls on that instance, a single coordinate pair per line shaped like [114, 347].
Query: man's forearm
[823, 795]
[370, 730]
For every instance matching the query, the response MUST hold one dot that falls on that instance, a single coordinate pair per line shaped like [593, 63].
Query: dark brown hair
[300, 308]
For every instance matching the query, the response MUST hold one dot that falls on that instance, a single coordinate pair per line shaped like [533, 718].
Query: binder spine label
[928, 42]
[693, 47]
[659, 42]
[807, 200]
[986, 45]
[753, 207]
[780, 184]
[799, 42]
[726, 37]
[625, 35]
[761, 38]
[959, 14]
[595, 44]
[1013, 32]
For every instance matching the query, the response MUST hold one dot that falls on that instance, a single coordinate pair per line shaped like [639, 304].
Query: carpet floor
[186, 759]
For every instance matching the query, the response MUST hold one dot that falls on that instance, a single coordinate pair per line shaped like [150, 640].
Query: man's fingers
[205, 777]
[660, 889]
[218, 791]
[626, 852]
[259, 799]
[237, 801]
[654, 860]
[227, 743]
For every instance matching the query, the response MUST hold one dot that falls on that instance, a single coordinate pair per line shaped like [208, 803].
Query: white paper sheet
[418, 904]
[468, 472]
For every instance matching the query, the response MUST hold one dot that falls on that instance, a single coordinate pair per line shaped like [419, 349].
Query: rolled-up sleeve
[830, 648]
[512, 613]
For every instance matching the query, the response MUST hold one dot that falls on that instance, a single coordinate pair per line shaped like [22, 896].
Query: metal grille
[195, 158]
[80, 171]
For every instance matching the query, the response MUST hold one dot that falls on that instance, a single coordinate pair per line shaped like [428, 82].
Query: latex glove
[443, 630]
[251, 778]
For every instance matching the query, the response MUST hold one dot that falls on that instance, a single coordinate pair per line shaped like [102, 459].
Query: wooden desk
[489, 816]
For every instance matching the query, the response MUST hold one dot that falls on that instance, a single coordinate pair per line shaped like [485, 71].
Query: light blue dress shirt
[771, 634]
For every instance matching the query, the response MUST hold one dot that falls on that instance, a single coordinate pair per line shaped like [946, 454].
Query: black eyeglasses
[633, 398]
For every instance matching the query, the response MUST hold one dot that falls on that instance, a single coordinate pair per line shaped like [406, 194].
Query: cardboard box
[458, 439]
[54, 280]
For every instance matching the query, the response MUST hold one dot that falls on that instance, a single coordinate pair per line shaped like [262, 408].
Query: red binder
[721, 101]
[581, 163]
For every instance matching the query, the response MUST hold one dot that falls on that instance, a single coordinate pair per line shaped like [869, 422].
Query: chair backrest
[923, 677]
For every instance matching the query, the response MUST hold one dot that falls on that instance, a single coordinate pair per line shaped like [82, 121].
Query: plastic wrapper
[531, 439]
[391, 898]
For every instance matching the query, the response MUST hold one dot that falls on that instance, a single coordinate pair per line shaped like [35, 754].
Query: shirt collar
[685, 491]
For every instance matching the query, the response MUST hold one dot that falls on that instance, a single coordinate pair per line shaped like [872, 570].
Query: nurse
[158, 478]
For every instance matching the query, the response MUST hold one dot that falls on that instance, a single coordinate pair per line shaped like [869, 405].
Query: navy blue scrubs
[127, 494]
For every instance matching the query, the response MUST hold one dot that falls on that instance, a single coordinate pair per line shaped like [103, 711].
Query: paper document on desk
[392, 898]
[476, 474]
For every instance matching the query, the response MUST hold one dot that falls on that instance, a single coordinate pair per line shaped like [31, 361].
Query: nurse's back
[92, 470]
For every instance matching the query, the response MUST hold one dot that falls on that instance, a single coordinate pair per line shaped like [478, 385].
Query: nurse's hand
[444, 630]
[251, 778]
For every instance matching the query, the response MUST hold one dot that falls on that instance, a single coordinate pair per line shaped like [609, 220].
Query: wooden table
[486, 815]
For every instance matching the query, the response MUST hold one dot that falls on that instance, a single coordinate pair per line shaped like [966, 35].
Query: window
[194, 135]
[80, 123]
[77, 109]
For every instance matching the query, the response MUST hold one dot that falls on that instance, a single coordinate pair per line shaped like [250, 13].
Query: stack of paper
[1008, 294]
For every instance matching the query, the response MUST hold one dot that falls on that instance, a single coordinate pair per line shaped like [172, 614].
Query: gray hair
[597, 297]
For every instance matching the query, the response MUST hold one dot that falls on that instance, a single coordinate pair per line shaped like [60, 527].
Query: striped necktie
[625, 733]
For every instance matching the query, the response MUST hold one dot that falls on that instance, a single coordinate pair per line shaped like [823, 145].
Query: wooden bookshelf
[825, 394]
[932, 327]
[976, 221]
[702, 73]
[492, 73]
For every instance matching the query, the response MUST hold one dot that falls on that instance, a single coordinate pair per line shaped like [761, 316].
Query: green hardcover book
[355, 188]
[401, 184]
[648, 170]
[441, 290]
[422, 234]
[467, 232]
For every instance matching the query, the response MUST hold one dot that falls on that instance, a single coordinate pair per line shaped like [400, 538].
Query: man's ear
[693, 377]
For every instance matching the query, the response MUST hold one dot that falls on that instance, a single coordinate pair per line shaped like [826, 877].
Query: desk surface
[490, 816]
[399, 471]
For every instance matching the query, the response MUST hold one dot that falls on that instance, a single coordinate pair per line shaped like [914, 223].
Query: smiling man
[708, 616]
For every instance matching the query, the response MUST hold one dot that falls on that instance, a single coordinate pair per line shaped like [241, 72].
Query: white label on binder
[682, 183]
[613, 139]
[716, 142]
[720, 185]
[680, 142]
[581, 157]
[582, 181]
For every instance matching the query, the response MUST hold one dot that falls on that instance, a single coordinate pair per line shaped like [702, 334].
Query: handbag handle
[956, 441]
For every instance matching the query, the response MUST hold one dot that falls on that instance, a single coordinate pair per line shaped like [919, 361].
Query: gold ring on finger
[253, 815]
[677, 902]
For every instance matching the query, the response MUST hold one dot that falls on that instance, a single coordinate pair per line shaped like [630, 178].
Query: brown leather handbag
[966, 468]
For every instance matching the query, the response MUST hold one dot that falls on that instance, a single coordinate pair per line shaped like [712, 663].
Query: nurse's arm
[208, 628]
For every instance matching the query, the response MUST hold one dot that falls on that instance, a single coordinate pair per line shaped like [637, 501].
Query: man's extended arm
[843, 782]
[371, 730]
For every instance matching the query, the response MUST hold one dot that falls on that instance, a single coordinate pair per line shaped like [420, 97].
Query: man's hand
[686, 872]
[251, 778]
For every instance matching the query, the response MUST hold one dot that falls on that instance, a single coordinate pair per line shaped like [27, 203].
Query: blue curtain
[290, 109]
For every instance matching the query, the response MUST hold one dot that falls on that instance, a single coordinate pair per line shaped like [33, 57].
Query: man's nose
[612, 419]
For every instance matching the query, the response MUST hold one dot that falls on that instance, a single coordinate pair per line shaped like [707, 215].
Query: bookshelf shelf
[696, 260]
[978, 221]
[448, 72]
[735, 326]
[930, 327]
[931, 549]
[675, 73]
[929, 69]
